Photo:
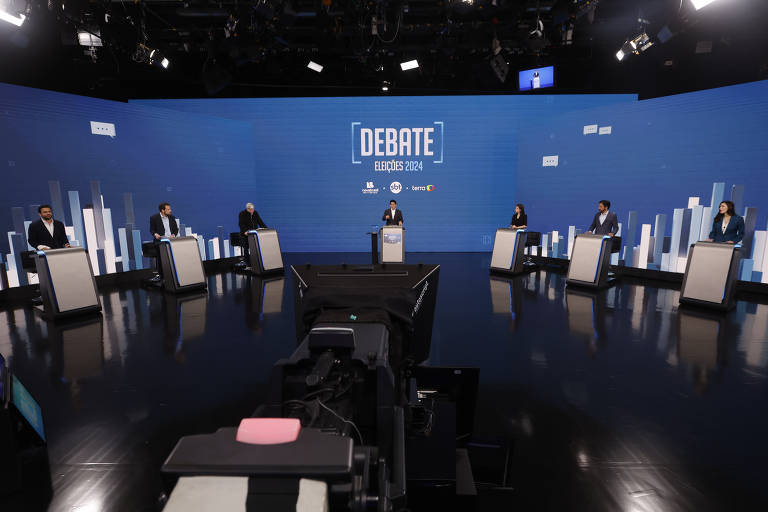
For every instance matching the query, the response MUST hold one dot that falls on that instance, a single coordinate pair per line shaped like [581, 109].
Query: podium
[264, 253]
[590, 261]
[67, 285]
[508, 254]
[392, 244]
[181, 263]
[710, 275]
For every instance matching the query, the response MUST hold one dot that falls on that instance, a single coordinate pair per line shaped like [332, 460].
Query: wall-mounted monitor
[538, 78]
[28, 407]
[3, 383]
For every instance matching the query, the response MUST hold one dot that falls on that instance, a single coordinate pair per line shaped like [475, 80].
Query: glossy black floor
[615, 401]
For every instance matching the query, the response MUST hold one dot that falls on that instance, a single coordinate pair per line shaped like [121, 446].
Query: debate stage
[608, 400]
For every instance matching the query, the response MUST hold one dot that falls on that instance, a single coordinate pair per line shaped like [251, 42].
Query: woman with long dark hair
[519, 219]
[727, 227]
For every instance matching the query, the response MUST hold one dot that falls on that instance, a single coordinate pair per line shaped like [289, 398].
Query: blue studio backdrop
[322, 170]
[326, 169]
[648, 156]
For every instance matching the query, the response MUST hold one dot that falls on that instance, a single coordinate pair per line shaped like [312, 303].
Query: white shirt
[393, 215]
[48, 226]
[603, 216]
[725, 224]
[166, 225]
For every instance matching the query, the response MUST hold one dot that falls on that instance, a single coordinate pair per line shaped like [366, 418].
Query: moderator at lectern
[393, 216]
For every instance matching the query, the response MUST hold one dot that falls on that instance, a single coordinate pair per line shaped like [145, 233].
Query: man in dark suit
[393, 216]
[247, 220]
[162, 225]
[47, 233]
[605, 221]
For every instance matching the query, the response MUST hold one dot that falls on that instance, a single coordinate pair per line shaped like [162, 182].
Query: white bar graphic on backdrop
[90, 236]
[110, 251]
[645, 246]
[706, 223]
[758, 251]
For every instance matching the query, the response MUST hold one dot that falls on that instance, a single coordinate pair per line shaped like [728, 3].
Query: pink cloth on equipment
[268, 430]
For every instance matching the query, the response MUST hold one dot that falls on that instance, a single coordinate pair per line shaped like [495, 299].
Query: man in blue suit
[605, 221]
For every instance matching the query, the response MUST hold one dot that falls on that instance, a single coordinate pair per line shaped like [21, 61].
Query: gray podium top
[504, 245]
[586, 257]
[187, 263]
[269, 245]
[71, 278]
[707, 273]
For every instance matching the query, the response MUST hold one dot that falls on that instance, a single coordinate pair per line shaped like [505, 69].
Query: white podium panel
[66, 280]
[590, 260]
[710, 274]
[392, 244]
[265, 254]
[509, 250]
[182, 265]
[699, 338]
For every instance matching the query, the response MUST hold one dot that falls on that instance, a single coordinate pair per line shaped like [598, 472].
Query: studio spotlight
[620, 55]
[411, 64]
[158, 59]
[698, 4]
[314, 66]
[14, 19]
[385, 86]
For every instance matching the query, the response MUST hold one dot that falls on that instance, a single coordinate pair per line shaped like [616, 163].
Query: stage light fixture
[17, 19]
[385, 86]
[698, 4]
[89, 38]
[635, 45]
[314, 66]
[411, 64]
[641, 42]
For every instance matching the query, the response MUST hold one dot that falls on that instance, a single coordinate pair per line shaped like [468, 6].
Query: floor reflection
[586, 316]
[608, 400]
[185, 317]
[77, 350]
[260, 297]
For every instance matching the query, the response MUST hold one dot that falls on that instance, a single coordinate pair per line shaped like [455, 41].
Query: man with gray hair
[249, 219]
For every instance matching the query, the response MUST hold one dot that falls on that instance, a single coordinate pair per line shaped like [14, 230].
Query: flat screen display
[28, 407]
[2, 380]
[538, 78]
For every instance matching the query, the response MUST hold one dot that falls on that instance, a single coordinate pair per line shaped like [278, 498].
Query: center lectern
[392, 244]
[264, 253]
[67, 285]
[182, 264]
[509, 251]
[591, 260]
[710, 275]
